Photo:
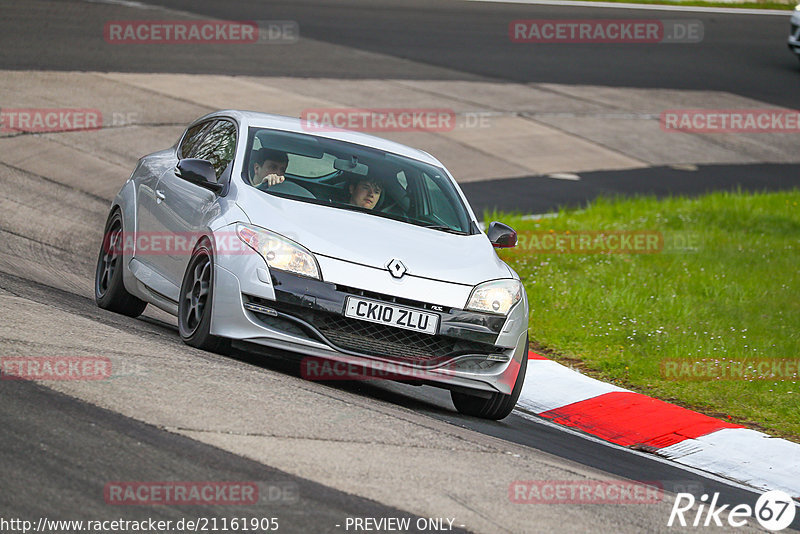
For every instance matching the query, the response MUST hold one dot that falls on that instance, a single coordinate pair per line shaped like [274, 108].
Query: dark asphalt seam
[7, 231]
[171, 97]
[569, 96]
[158, 93]
[331, 440]
[586, 139]
[61, 184]
[67, 302]
[94, 155]
[524, 116]
[449, 96]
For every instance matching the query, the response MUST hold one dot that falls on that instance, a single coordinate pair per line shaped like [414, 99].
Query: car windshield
[353, 177]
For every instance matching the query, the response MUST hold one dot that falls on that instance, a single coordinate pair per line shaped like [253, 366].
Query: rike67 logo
[774, 510]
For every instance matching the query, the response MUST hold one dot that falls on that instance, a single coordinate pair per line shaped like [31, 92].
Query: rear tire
[109, 289]
[196, 303]
[496, 407]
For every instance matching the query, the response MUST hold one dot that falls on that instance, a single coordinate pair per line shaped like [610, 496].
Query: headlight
[497, 296]
[279, 252]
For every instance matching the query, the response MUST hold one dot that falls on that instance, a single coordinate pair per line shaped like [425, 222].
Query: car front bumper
[471, 351]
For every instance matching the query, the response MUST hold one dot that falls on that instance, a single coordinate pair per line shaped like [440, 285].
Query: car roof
[257, 119]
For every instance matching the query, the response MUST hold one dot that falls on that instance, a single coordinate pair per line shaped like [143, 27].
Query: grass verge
[722, 290]
[786, 6]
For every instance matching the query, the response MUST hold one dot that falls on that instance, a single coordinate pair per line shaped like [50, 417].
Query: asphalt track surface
[540, 194]
[742, 54]
[449, 40]
[57, 451]
[61, 452]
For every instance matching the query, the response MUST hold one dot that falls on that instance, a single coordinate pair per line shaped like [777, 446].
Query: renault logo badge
[396, 268]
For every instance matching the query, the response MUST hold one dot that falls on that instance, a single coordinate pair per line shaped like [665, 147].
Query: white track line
[650, 7]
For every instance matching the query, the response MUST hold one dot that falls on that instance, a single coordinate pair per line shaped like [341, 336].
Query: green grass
[733, 292]
[788, 5]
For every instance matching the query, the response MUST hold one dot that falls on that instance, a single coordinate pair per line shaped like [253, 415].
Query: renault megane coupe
[334, 244]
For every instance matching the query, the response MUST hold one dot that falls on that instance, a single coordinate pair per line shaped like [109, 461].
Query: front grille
[794, 29]
[382, 340]
[373, 339]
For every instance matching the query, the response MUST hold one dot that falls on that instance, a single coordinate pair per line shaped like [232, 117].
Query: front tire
[109, 289]
[496, 407]
[196, 303]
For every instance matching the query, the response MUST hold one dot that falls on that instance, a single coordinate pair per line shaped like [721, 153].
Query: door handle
[160, 196]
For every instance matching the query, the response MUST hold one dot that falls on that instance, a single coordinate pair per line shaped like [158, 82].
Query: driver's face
[269, 167]
[365, 194]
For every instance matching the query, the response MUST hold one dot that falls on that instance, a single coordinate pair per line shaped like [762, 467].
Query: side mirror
[501, 235]
[199, 172]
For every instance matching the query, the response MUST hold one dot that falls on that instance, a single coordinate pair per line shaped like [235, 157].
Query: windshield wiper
[445, 229]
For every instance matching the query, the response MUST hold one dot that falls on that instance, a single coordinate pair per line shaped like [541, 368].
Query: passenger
[269, 167]
[365, 192]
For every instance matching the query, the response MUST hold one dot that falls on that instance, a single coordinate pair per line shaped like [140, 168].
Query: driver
[365, 192]
[269, 167]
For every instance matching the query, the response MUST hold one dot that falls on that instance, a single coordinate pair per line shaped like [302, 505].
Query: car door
[146, 262]
[183, 209]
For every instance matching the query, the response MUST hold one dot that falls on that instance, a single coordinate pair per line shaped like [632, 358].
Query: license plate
[391, 315]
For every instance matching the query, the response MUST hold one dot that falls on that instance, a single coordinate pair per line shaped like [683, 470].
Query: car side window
[192, 137]
[216, 143]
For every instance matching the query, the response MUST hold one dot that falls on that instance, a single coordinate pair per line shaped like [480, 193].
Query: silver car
[361, 254]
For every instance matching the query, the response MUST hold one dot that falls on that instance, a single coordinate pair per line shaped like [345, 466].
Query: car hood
[373, 241]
